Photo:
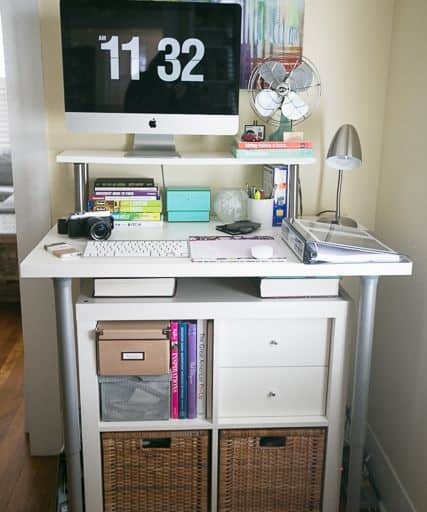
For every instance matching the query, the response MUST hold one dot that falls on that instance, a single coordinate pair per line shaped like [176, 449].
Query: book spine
[270, 153]
[201, 368]
[135, 216]
[125, 191]
[192, 371]
[144, 200]
[182, 372]
[174, 369]
[123, 208]
[304, 144]
[105, 182]
[137, 223]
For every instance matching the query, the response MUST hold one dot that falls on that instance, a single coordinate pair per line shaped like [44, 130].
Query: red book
[174, 369]
[275, 144]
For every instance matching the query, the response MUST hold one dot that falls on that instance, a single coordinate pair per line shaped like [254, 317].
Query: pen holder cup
[261, 210]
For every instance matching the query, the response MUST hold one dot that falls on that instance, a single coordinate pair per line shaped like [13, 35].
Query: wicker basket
[156, 471]
[277, 470]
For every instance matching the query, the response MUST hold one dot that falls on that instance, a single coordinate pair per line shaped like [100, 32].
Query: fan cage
[256, 83]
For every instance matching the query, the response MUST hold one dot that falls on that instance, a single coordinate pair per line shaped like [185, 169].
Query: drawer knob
[274, 342]
[271, 394]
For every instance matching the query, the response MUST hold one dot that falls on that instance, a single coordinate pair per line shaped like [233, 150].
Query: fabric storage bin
[274, 469]
[135, 398]
[156, 471]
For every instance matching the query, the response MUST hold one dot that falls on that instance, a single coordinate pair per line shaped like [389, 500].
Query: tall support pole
[362, 374]
[81, 187]
[293, 191]
[69, 389]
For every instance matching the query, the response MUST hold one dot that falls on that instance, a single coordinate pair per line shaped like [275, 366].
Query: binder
[318, 242]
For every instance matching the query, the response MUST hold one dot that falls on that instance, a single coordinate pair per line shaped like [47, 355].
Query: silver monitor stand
[152, 146]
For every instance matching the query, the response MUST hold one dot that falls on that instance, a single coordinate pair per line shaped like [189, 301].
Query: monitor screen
[147, 66]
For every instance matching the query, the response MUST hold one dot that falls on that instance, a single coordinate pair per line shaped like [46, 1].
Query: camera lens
[99, 229]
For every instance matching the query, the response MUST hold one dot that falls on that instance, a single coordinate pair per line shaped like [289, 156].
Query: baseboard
[394, 497]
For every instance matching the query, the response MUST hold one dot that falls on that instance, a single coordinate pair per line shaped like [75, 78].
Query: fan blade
[272, 72]
[267, 102]
[293, 107]
[301, 77]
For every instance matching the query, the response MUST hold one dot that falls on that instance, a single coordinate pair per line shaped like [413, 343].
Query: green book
[273, 153]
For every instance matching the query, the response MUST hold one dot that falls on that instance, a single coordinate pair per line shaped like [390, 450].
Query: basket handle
[160, 442]
[272, 441]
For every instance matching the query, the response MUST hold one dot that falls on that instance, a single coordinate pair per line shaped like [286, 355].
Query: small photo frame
[253, 132]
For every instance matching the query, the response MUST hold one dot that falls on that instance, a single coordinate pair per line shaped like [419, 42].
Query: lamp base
[342, 221]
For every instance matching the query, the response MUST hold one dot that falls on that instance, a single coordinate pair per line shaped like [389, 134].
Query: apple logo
[152, 123]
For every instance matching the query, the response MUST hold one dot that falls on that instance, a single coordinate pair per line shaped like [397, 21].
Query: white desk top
[41, 264]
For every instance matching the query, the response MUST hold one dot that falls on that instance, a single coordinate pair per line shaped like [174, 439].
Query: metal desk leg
[362, 373]
[70, 397]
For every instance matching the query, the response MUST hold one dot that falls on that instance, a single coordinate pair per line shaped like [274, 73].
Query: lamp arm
[338, 202]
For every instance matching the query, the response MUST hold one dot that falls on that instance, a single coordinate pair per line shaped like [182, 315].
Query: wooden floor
[27, 484]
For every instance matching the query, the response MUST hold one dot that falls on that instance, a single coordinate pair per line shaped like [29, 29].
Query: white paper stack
[140, 287]
[298, 287]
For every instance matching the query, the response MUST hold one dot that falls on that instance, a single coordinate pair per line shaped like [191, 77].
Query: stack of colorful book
[188, 356]
[131, 201]
[273, 148]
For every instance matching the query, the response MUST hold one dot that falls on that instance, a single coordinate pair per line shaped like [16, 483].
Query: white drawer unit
[292, 391]
[274, 342]
[271, 364]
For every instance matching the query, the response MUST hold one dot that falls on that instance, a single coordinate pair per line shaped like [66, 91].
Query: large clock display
[145, 56]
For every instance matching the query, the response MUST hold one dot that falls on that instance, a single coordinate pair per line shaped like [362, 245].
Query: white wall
[348, 41]
[398, 400]
[21, 30]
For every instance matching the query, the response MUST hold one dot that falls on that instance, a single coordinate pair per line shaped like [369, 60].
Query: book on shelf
[201, 368]
[124, 182]
[182, 369]
[191, 370]
[136, 216]
[113, 190]
[273, 153]
[151, 199]
[134, 287]
[274, 144]
[154, 206]
[298, 287]
[137, 224]
[174, 369]
[151, 193]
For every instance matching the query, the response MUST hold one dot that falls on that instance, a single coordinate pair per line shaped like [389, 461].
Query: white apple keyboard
[137, 249]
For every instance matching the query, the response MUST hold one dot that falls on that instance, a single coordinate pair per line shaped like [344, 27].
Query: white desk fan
[283, 97]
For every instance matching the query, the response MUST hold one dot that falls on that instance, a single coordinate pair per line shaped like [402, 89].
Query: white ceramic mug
[261, 210]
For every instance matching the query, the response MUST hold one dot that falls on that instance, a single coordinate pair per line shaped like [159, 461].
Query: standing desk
[40, 264]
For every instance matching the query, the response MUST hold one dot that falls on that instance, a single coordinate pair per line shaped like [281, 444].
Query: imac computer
[152, 68]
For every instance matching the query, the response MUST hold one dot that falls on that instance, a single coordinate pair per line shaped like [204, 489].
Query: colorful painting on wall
[270, 29]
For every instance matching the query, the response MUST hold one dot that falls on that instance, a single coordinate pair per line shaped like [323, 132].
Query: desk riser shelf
[332, 311]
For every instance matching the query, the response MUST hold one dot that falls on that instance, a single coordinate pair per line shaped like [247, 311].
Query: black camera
[94, 225]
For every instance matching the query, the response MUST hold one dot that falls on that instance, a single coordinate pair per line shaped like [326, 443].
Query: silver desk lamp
[344, 154]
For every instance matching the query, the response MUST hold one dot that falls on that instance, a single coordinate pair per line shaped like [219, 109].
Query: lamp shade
[345, 152]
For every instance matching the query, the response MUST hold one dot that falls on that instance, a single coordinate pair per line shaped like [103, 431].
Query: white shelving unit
[219, 302]
[305, 369]
[82, 159]
[212, 159]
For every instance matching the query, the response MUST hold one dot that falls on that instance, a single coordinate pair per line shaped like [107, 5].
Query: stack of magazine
[319, 242]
